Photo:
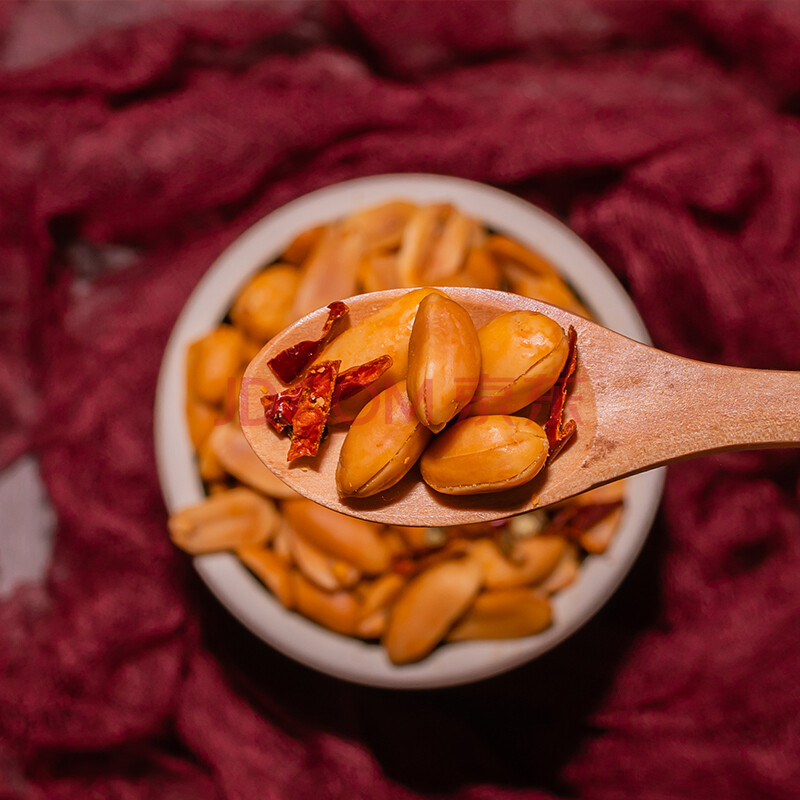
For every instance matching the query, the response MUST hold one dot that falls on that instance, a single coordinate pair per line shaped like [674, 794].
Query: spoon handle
[659, 408]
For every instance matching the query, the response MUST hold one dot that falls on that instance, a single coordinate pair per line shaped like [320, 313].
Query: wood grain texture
[635, 407]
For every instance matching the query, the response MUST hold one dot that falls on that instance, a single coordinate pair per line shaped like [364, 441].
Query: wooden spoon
[635, 407]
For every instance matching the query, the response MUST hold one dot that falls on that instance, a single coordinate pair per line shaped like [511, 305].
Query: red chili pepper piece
[559, 432]
[574, 520]
[279, 409]
[313, 408]
[289, 363]
[353, 380]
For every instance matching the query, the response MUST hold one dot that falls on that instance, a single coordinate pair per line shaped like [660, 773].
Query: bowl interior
[232, 583]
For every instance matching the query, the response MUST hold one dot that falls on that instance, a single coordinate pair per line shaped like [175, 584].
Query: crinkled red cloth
[664, 133]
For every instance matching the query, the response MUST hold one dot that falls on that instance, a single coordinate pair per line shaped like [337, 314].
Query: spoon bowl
[635, 408]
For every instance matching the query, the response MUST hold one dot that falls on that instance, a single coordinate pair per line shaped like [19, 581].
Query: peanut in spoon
[635, 408]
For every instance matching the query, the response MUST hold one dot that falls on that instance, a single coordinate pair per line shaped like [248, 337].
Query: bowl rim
[230, 581]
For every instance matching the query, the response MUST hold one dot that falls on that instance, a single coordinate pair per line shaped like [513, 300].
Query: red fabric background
[665, 133]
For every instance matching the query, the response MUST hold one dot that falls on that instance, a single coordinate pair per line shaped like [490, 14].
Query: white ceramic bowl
[292, 634]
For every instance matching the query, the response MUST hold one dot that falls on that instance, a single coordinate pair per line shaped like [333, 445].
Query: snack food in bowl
[418, 591]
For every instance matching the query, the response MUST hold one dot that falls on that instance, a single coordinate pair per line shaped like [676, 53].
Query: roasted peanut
[238, 459]
[532, 561]
[484, 454]
[200, 419]
[508, 252]
[597, 538]
[418, 538]
[214, 363]
[270, 569]
[208, 464]
[329, 272]
[311, 561]
[548, 289]
[224, 522]
[480, 271]
[380, 593]
[261, 310]
[373, 626]
[386, 332]
[444, 361]
[378, 272]
[352, 540]
[303, 245]
[450, 250]
[522, 355]
[505, 614]
[382, 445]
[565, 572]
[419, 237]
[381, 227]
[428, 606]
[347, 575]
[395, 543]
[335, 610]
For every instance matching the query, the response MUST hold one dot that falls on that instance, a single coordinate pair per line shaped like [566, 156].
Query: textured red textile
[665, 133]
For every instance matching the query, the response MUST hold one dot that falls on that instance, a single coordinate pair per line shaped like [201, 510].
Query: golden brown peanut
[335, 610]
[270, 569]
[548, 289]
[311, 561]
[214, 364]
[261, 310]
[480, 271]
[423, 538]
[522, 355]
[395, 543]
[200, 419]
[224, 522]
[208, 464]
[382, 445]
[444, 361]
[450, 250]
[302, 245]
[484, 454]
[281, 545]
[565, 572]
[380, 593]
[347, 575]
[597, 538]
[378, 272]
[238, 459]
[419, 236]
[373, 626]
[381, 227]
[386, 332]
[613, 492]
[330, 271]
[532, 561]
[505, 614]
[508, 252]
[355, 541]
[428, 606]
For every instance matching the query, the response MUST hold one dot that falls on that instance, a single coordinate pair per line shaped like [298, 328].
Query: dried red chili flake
[559, 432]
[574, 520]
[289, 363]
[313, 408]
[279, 409]
[353, 380]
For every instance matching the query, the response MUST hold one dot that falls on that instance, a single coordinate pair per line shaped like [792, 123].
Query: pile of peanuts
[448, 369]
[411, 588]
